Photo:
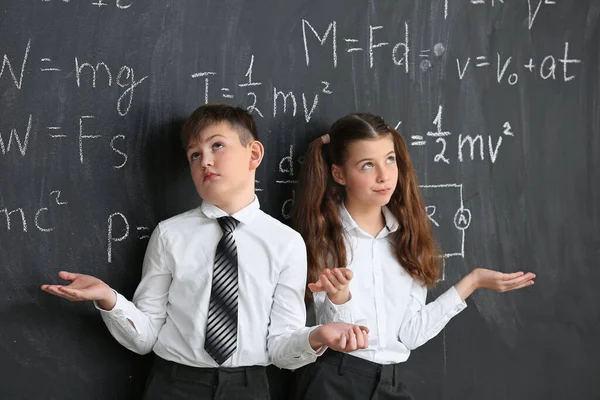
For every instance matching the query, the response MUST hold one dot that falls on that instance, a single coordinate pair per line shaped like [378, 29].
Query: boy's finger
[67, 276]
[364, 328]
[50, 289]
[72, 292]
[54, 291]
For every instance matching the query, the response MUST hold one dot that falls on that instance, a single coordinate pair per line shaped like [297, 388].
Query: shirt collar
[245, 215]
[348, 223]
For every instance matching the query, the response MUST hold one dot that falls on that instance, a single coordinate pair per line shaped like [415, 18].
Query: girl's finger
[522, 285]
[332, 278]
[340, 276]
[519, 281]
[360, 340]
[366, 338]
[514, 275]
[351, 345]
[342, 341]
[329, 288]
[316, 287]
[522, 277]
[348, 274]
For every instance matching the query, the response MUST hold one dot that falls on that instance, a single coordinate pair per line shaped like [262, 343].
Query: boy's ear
[257, 152]
[338, 174]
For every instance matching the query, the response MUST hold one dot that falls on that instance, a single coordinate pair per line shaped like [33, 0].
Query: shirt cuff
[116, 307]
[451, 302]
[308, 348]
[338, 312]
[119, 314]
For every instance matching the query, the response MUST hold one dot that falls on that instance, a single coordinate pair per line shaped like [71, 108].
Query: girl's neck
[369, 218]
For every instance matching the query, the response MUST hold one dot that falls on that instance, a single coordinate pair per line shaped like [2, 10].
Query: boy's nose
[207, 162]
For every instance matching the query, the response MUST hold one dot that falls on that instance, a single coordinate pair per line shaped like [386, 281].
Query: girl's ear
[338, 174]
[257, 151]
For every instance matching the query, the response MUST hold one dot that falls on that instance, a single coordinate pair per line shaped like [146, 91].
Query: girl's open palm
[503, 282]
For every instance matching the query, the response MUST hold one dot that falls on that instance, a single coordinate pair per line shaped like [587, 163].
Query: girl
[358, 207]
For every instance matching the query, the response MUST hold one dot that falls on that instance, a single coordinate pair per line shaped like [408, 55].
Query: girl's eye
[367, 166]
[391, 160]
[217, 146]
[194, 156]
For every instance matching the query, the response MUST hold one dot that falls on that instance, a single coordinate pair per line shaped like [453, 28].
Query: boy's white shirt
[170, 305]
[385, 298]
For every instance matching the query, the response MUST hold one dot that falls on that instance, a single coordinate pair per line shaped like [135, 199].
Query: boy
[222, 288]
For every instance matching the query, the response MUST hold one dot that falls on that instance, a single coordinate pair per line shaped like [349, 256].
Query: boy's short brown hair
[210, 114]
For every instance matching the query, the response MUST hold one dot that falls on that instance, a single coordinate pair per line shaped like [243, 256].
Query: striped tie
[221, 328]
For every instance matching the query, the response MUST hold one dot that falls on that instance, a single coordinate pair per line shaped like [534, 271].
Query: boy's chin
[212, 196]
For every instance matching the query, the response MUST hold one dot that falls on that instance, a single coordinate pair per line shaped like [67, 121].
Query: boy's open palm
[82, 287]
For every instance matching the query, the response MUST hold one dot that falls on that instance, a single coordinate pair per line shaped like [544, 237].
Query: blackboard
[499, 101]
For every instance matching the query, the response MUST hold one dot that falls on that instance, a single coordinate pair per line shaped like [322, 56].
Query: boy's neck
[369, 218]
[237, 202]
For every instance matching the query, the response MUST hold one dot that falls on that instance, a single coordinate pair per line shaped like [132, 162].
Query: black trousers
[342, 376]
[169, 380]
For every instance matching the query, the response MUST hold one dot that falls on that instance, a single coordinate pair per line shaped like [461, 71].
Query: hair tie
[325, 138]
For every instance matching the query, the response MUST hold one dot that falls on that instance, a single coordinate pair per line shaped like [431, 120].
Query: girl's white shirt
[384, 297]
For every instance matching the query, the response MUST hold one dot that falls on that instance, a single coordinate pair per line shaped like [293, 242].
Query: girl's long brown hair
[316, 212]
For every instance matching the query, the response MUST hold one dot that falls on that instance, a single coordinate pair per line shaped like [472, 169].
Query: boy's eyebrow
[214, 136]
[369, 159]
[208, 139]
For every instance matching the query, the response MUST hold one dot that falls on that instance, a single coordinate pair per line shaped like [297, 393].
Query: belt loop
[342, 364]
[247, 377]
[394, 372]
[385, 371]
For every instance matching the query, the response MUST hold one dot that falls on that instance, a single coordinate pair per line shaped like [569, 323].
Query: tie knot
[228, 224]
